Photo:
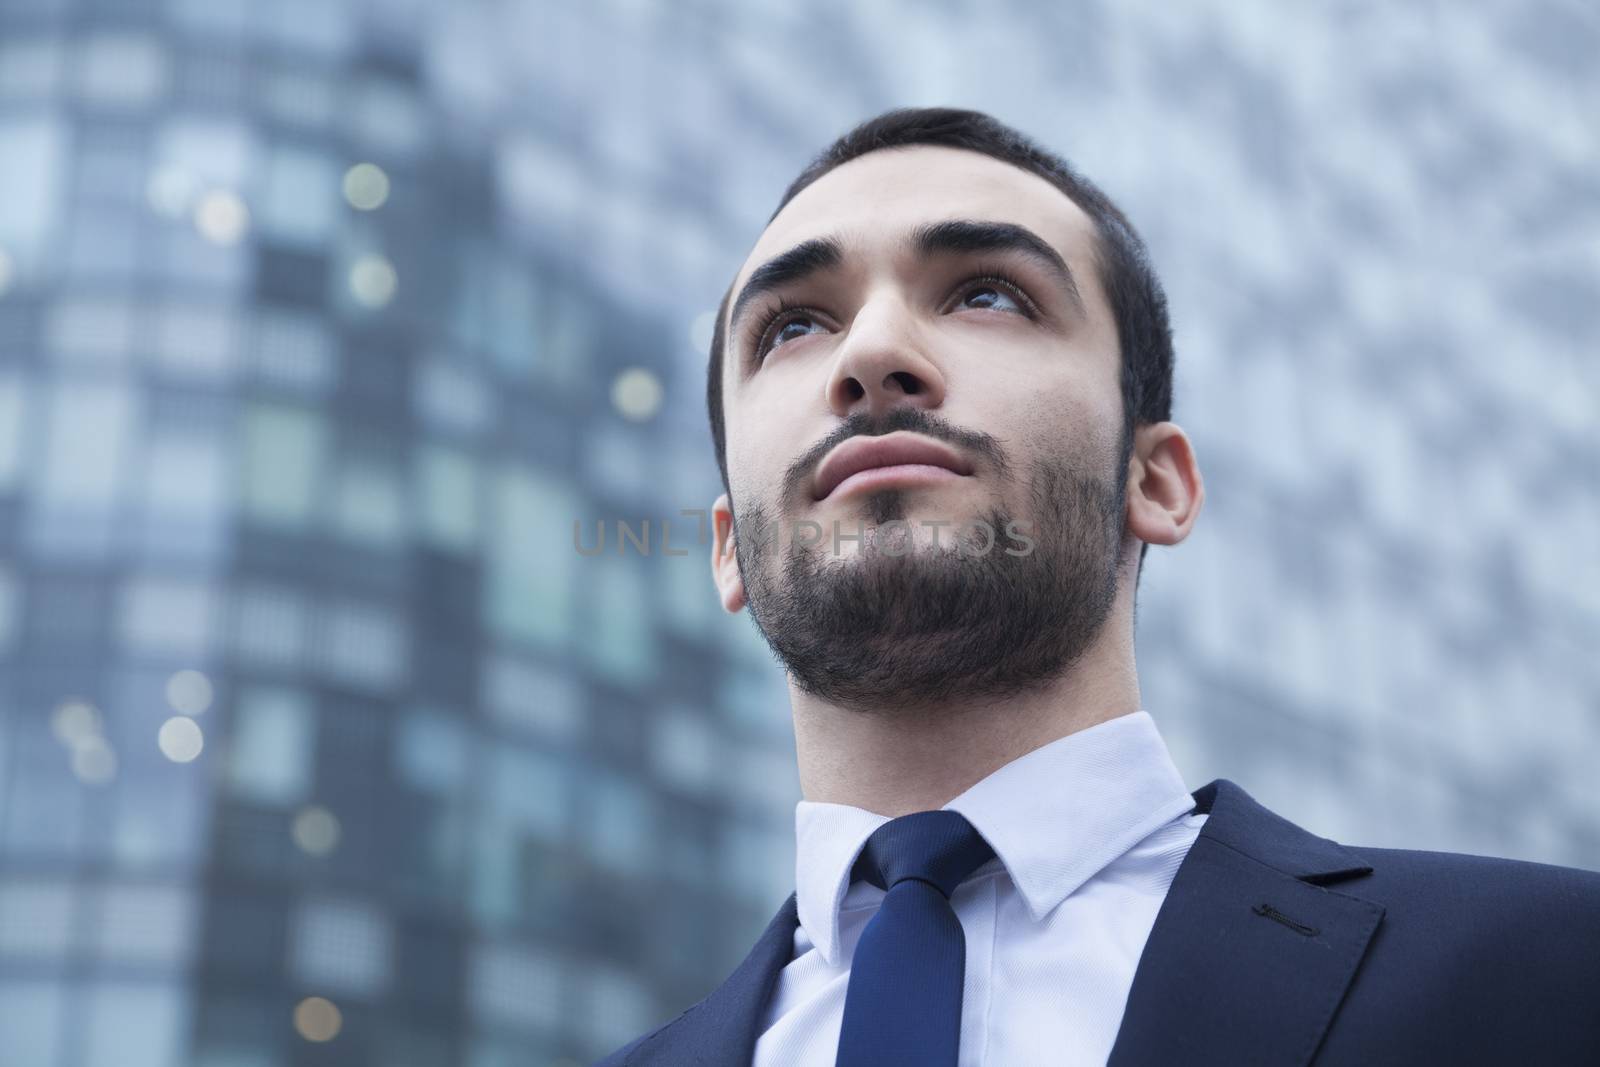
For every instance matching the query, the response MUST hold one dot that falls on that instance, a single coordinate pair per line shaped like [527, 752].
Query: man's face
[1018, 392]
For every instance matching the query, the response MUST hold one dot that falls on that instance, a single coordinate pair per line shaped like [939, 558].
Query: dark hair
[1138, 304]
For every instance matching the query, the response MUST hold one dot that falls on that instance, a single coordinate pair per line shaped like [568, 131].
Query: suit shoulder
[1576, 882]
[1466, 883]
[622, 1056]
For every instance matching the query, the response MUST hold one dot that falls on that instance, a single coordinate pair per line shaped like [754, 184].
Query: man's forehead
[879, 198]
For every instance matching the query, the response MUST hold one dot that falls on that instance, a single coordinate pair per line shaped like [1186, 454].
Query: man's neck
[894, 765]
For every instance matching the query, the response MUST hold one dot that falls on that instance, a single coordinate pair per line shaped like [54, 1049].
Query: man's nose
[883, 363]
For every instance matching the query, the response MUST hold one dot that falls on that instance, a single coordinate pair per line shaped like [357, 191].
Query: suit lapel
[1250, 955]
[1248, 960]
[721, 1030]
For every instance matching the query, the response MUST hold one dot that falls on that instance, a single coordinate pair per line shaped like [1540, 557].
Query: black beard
[883, 633]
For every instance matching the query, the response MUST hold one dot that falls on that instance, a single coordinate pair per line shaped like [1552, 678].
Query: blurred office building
[319, 742]
[331, 331]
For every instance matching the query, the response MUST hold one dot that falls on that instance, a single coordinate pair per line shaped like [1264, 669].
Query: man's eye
[775, 337]
[999, 291]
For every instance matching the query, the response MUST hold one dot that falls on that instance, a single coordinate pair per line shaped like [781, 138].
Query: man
[940, 391]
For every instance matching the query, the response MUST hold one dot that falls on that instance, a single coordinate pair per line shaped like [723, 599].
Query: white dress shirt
[1088, 832]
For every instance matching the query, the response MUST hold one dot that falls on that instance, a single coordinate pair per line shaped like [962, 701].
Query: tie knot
[937, 847]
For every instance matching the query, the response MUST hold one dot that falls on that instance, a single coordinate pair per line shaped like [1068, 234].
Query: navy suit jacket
[1275, 946]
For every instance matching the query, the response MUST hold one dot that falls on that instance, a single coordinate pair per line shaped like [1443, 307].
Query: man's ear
[1165, 490]
[724, 563]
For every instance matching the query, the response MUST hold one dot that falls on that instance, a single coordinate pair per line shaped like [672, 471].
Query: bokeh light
[221, 217]
[366, 186]
[317, 1019]
[189, 691]
[180, 739]
[373, 280]
[636, 393]
[94, 761]
[315, 830]
[75, 722]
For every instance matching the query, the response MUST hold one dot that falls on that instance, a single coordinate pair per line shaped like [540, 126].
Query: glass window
[620, 831]
[270, 757]
[45, 813]
[216, 153]
[447, 497]
[512, 318]
[616, 1007]
[269, 625]
[221, 18]
[540, 184]
[299, 97]
[32, 1014]
[529, 570]
[361, 644]
[35, 151]
[487, 1050]
[211, 80]
[531, 698]
[386, 115]
[761, 780]
[621, 462]
[111, 170]
[190, 260]
[621, 627]
[344, 946]
[369, 505]
[167, 615]
[10, 613]
[300, 201]
[293, 349]
[157, 821]
[147, 924]
[284, 451]
[687, 600]
[308, 26]
[449, 396]
[14, 409]
[468, 321]
[122, 70]
[141, 1023]
[37, 917]
[247, 932]
[685, 750]
[754, 700]
[198, 341]
[514, 986]
[757, 862]
[185, 475]
[569, 338]
[66, 607]
[31, 68]
[431, 751]
[90, 331]
[102, 245]
[687, 850]
[495, 887]
[528, 789]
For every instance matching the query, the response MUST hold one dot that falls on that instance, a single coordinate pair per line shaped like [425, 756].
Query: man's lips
[900, 455]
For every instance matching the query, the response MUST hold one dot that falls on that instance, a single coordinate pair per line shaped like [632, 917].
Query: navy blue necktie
[903, 1005]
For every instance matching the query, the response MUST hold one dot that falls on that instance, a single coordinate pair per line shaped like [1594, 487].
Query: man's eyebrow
[951, 236]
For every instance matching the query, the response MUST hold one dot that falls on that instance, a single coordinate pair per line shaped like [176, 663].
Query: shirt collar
[1055, 817]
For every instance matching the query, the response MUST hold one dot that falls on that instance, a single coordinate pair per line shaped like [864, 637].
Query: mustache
[916, 420]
